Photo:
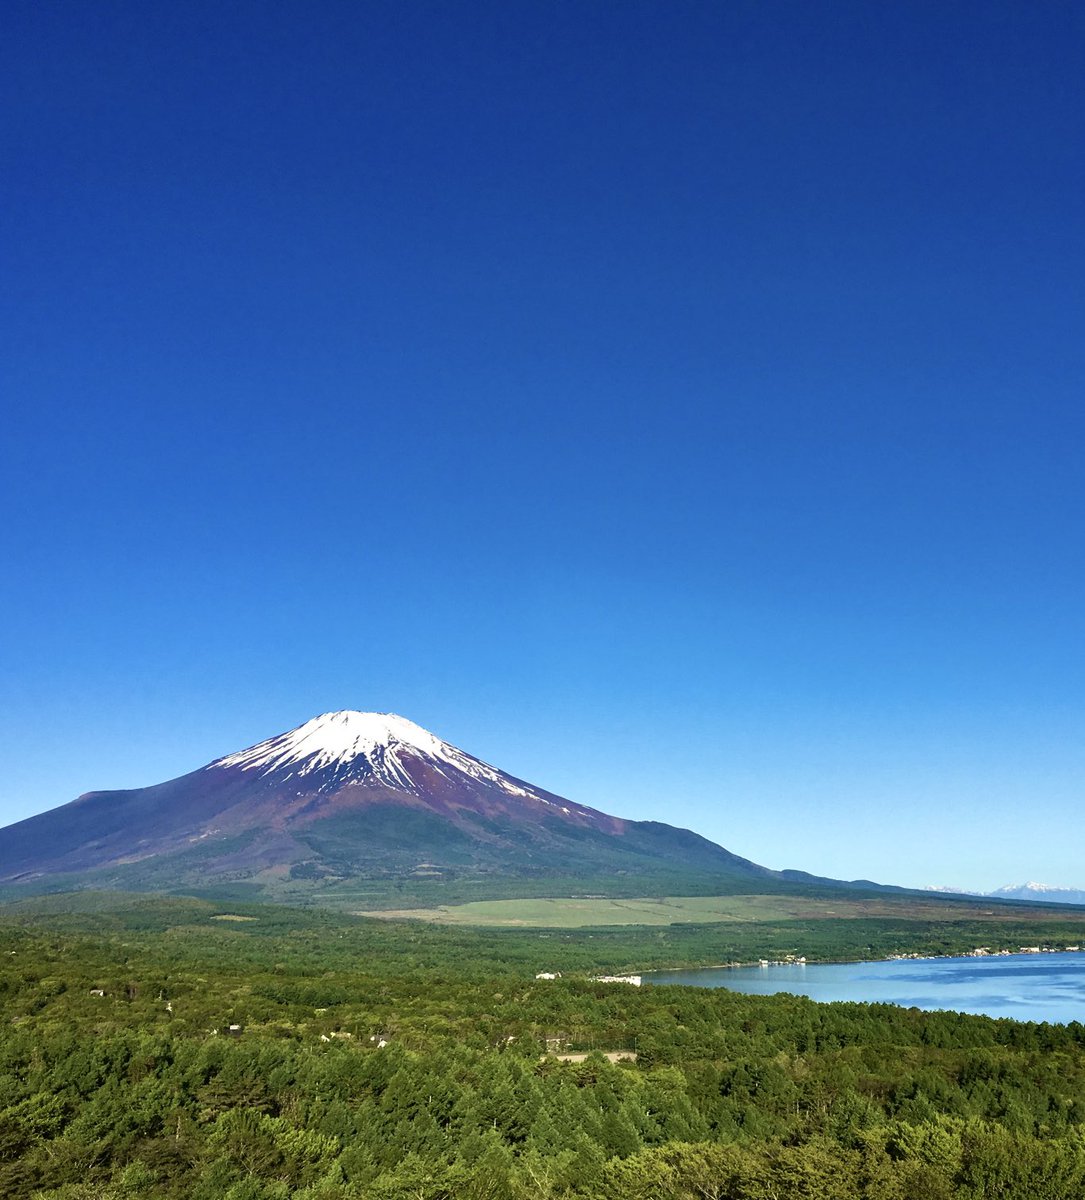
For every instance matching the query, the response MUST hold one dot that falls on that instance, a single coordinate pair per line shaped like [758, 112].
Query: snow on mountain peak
[365, 745]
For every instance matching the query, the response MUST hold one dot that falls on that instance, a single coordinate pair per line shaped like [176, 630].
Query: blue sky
[677, 405]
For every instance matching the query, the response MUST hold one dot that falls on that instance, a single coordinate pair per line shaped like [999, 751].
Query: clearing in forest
[579, 912]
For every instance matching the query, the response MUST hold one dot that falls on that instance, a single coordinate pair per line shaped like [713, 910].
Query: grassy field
[581, 912]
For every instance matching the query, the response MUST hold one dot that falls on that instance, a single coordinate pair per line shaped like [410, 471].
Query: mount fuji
[348, 796]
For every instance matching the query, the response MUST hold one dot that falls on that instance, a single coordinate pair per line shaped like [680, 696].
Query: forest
[178, 1048]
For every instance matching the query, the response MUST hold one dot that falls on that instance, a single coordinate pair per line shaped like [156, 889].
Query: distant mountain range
[1044, 892]
[347, 797]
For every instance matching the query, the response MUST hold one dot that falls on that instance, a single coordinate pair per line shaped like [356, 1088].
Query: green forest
[157, 1047]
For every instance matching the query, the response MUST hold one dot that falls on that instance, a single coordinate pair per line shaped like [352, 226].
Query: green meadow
[579, 912]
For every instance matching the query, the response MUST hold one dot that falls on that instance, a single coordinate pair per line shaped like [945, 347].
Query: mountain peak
[336, 740]
[370, 747]
[1031, 886]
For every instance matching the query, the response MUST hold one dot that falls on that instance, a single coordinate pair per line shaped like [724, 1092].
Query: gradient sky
[678, 405]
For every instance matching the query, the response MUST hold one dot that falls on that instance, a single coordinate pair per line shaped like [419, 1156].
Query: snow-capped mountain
[345, 795]
[1046, 892]
[372, 749]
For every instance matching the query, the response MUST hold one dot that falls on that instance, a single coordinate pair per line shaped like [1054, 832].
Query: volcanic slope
[347, 797]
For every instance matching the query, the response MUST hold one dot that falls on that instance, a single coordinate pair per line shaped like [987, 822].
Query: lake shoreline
[1031, 986]
[840, 962]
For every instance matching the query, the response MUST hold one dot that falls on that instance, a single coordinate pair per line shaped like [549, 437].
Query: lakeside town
[987, 952]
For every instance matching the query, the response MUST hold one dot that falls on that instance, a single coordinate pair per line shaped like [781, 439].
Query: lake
[1027, 987]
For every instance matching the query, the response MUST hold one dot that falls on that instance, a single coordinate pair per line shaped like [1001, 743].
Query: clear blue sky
[678, 405]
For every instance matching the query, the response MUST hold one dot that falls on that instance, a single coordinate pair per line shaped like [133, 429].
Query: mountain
[1040, 891]
[348, 796]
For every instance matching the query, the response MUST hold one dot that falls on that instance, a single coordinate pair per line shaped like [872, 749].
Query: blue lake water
[1027, 987]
